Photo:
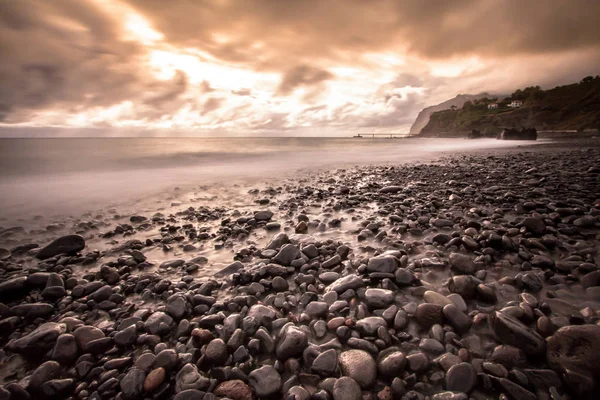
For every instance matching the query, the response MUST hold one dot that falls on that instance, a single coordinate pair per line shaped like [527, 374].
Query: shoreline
[385, 280]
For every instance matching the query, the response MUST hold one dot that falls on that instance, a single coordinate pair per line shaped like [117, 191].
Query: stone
[63, 245]
[263, 315]
[461, 378]
[435, 298]
[511, 331]
[368, 326]
[190, 394]
[234, 390]
[575, 347]
[13, 287]
[534, 225]
[387, 264]
[349, 282]
[326, 363]
[38, 342]
[459, 320]
[158, 323]
[86, 334]
[316, 309]
[216, 352]
[360, 366]
[154, 379]
[292, 343]
[44, 372]
[286, 255]
[461, 263]
[265, 381]
[428, 314]
[390, 189]
[379, 298]
[264, 215]
[509, 356]
[177, 306]
[132, 384]
[392, 364]
[65, 349]
[346, 388]
[189, 377]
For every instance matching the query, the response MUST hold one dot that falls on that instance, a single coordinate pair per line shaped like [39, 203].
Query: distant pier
[384, 135]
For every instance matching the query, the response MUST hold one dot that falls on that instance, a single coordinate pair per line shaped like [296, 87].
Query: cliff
[569, 107]
[458, 101]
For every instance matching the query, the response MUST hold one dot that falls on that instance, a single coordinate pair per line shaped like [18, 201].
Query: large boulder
[63, 245]
[574, 351]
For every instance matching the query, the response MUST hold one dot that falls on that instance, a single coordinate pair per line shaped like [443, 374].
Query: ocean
[69, 176]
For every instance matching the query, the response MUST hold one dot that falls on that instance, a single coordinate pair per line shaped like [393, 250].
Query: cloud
[302, 75]
[278, 65]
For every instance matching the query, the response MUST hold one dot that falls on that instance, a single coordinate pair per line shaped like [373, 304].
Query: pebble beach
[472, 276]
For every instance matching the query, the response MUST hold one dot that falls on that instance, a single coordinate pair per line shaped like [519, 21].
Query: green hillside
[569, 107]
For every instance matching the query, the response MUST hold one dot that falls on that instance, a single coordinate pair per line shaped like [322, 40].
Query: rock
[263, 315]
[265, 215]
[66, 244]
[346, 283]
[461, 378]
[428, 314]
[332, 262]
[346, 388]
[132, 384]
[511, 331]
[57, 387]
[44, 372]
[387, 264]
[286, 255]
[127, 336]
[65, 349]
[316, 309]
[86, 334]
[13, 287]
[435, 298]
[154, 379]
[379, 298]
[158, 323]
[292, 343]
[38, 342]
[216, 352]
[417, 362]
[459, 320]
[230, 269]
[577, 348]
[279, 284]
[177, 306]
[534, 225]
[189, 377]
[172, 263]
[360, 366]
[326, 363]
[265, 381]
[509, 356]
[463, 285]
[392, 364]
[234, 390]
[462, 263]
[32, 310]
[390, 189]
[368, 326]
[514, 390]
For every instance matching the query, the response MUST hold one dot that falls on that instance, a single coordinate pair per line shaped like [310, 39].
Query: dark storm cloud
[302, 75]
[302, 30]
[70, 54]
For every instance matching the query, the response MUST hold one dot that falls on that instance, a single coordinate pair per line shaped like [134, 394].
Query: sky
[275, 67]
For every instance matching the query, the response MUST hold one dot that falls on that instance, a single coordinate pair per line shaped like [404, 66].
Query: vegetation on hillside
[569, 107]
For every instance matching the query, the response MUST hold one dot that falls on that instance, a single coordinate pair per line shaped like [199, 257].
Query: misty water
[69, 176]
